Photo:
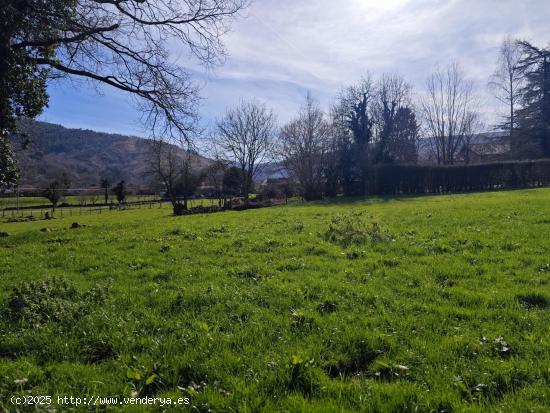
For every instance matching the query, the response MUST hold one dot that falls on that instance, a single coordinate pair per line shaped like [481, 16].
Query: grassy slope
[256, 311]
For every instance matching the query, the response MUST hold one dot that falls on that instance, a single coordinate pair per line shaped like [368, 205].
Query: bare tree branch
[245, 134]
[449, 110]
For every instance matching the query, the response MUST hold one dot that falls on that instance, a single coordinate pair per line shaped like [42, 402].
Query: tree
[304, 146]
[342, 142]
[214, 175]
[120, 192]
[245, 134]
[55, 192]
[172, 166]
[403, 143]
[331, 166]
[507, 82]
[188, 182]
[232, 181]
[9, 173]
[119, 43]
[93, 197]
[105, 185]
[534, 115]
[449, 112]
[356, 101]
[392, 95]
[353, 131]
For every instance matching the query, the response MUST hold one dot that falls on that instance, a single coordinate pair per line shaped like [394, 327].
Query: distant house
[274, 181]
[275, 184]
[482, 148]
[486, 147]
[485, 152]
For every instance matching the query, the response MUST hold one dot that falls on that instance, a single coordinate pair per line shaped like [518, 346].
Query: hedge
[418, 179]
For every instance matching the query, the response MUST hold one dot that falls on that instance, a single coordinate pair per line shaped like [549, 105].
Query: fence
[39, 212]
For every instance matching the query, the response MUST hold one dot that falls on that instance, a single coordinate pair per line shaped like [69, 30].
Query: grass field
[425, 304]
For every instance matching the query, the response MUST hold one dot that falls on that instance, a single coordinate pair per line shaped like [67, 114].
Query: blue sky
[281, 49]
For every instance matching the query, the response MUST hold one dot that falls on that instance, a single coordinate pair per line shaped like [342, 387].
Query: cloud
[281, 49]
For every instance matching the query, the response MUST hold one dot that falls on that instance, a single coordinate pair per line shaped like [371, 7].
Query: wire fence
[43, 212]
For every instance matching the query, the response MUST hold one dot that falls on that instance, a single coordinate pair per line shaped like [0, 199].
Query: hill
[85, 156]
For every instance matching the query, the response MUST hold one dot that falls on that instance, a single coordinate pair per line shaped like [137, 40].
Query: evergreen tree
[403, 144]
[534, 116]
[354, 133]
[232, 181]
[120, 192]
[105, 184]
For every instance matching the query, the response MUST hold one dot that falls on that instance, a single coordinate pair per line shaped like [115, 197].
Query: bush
[533, 300]
[355, 354]
[302, 377]
[51, 300]
[417, 179]
[351, 229]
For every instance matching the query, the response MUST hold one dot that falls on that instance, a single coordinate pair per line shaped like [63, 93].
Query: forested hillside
[48, 151]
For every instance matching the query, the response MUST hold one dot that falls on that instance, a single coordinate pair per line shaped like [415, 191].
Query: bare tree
[55, 192]
[449, 111]
[392, 94]
[508, 80]
[93, 198]
[120, 43]
[304, 144]
[214, 174]
[245, 136]
[171, 165]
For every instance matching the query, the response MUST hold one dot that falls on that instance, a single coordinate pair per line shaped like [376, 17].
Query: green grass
[421, 304]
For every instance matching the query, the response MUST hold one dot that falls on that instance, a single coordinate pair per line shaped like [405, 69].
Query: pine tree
[534, 116]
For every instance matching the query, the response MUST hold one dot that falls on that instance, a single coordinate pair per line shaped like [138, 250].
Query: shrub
[51, 300]
[419, 179]
[355, 354]
[327, 307]
[533, 300]
[351, 229]
[302, 377]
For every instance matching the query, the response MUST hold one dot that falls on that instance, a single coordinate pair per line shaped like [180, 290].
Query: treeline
[368, 141]
[374, 128]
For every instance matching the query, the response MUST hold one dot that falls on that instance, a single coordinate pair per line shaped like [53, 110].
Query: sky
[279, 50]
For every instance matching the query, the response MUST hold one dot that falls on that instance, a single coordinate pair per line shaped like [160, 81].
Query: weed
[302, 378]
[51, 300]
[533, 300]
[351, 229]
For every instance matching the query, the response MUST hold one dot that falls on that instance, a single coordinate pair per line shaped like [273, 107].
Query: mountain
[84, 156]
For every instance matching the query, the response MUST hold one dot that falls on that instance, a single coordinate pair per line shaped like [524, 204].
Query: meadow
[426, 304]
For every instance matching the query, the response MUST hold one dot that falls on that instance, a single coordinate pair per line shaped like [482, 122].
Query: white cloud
[322, 45]
[281, 49]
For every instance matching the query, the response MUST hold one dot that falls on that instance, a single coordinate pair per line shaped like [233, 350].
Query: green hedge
[417, 179]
